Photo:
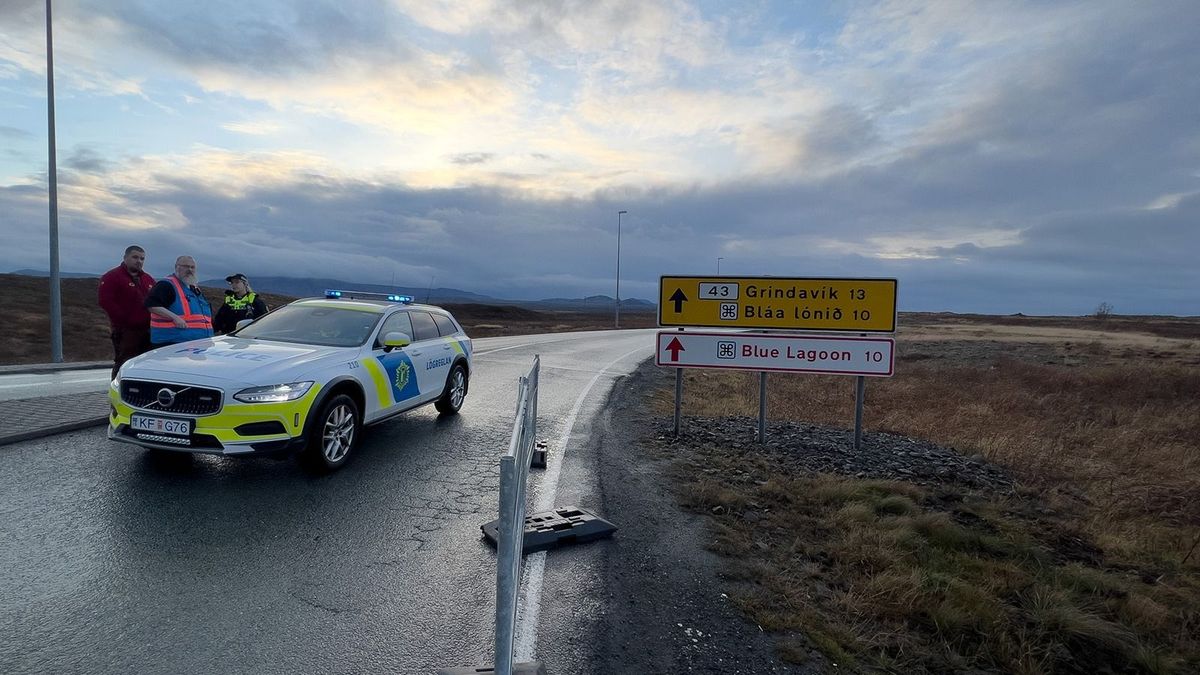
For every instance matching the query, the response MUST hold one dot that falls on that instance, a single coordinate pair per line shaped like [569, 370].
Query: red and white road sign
[869, 356]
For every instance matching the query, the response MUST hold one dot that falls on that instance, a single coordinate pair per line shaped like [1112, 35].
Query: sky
[995, 156]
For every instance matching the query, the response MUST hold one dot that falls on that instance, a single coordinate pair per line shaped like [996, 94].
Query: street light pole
[617, 319]
[719, 265]
[56, 346]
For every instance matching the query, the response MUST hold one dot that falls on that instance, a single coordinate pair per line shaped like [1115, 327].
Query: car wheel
[334, 433]
[455, 392]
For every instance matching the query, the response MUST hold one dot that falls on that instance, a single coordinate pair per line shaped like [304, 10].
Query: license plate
[161, 425]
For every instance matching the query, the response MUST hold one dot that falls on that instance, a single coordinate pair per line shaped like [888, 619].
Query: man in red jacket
[123, 291]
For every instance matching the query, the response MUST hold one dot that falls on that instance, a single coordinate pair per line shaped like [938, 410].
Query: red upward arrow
[675, 347]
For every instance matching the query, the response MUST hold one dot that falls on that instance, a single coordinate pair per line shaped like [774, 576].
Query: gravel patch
[822, 449]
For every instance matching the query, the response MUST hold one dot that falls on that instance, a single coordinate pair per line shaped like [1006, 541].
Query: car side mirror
[396, 340]
[243, 323]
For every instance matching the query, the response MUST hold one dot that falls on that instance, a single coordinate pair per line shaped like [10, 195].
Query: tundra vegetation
[1091, 563]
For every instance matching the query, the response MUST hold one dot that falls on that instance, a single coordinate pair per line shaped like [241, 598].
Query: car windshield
[313, 325]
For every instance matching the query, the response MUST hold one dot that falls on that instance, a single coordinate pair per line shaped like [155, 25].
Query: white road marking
[98, 378]
[529, 604]
[517, 346]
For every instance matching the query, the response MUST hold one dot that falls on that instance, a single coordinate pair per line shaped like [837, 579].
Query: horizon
[996, 158]
[649, 301]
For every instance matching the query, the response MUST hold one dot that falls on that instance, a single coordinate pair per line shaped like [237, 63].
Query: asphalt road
[113, 561]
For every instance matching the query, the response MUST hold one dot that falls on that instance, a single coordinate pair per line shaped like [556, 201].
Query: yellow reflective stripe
[237, 414]
[383, 388]
[457, 346]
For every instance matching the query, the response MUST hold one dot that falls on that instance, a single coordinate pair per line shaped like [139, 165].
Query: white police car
[305, 377]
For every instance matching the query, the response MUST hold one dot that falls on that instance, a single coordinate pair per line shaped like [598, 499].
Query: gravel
[822, 449]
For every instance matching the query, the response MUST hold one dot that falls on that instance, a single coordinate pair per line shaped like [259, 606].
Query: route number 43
[711, 291]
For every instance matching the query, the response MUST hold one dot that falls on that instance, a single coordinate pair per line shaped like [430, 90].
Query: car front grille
[170, 398]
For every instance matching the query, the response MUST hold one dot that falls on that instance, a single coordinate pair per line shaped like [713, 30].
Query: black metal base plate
[538, 459]
[551, 529]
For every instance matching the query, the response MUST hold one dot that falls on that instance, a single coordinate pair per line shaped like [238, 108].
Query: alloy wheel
[339, 433]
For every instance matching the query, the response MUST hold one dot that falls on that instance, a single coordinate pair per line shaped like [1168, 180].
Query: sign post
[762, 407]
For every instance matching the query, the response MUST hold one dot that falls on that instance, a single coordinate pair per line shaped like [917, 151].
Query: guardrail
[514, 470]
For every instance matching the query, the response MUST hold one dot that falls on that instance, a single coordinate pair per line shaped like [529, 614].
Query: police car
[304, 378]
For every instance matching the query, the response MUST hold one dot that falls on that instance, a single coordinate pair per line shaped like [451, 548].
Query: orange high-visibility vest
[199, 324]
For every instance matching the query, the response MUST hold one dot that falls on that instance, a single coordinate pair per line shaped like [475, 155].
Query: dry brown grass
[1096, 563]
[1124, 439]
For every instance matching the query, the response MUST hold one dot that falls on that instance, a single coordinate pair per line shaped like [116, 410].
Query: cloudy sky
[995, 156]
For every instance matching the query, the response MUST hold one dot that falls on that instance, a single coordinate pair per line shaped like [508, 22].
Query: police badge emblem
[402, 376]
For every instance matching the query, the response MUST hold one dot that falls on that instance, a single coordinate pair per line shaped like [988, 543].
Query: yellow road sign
[785, 303]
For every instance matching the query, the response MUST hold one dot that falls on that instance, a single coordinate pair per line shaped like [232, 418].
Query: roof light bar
[367, 295]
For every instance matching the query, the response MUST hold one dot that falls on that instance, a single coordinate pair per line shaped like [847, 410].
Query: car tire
[334, 434]
[455, 392]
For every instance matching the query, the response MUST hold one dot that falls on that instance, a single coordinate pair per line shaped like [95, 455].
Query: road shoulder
[668, 611]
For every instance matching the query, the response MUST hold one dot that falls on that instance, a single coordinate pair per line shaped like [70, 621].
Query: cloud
[472, 158]
[253, 127]
[995, 156]
[85, 160]
[14, 133]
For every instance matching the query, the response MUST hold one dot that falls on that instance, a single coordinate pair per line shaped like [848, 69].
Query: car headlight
[274, 393]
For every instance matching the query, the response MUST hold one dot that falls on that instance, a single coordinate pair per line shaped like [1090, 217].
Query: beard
[189, 278]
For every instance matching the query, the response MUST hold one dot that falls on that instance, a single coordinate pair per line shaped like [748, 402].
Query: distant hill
[307, 288]
[438, 296]
[25, 302]
[304, 288]
[64, 275]
[590, 303]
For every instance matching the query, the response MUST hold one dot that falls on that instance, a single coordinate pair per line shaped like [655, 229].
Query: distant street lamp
[719, 259]
[617, 319]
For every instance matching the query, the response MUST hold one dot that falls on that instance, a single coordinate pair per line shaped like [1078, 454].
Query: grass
[1093, 566]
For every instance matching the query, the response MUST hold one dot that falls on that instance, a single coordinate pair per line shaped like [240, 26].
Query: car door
[399, 365]
[432, 356]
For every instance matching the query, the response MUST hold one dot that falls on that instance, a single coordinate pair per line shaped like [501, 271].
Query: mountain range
[301, 288]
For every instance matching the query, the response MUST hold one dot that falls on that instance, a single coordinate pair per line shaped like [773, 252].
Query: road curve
[113, 561]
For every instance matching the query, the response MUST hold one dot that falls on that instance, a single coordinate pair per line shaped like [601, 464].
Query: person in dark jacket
[122, 296]
[241, 302]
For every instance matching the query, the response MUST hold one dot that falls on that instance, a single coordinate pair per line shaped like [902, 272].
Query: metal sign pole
[678, 395]
[762, 407]
[56, 344]
[860, 388]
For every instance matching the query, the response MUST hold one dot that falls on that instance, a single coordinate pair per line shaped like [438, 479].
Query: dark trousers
[128, 343]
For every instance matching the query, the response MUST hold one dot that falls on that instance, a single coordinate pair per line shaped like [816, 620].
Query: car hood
[232, 359]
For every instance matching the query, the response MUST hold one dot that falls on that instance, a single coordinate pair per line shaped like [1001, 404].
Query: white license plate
[161, 425]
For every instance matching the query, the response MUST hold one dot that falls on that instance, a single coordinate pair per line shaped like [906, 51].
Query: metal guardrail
[514, 470]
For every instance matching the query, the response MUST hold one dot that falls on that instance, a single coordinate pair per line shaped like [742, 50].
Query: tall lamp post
[56, 347]
[617, 319]
[719, 259]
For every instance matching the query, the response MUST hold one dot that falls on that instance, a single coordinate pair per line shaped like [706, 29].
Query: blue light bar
[363, 295]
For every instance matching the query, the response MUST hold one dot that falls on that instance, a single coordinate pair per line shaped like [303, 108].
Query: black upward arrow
[678, 298]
